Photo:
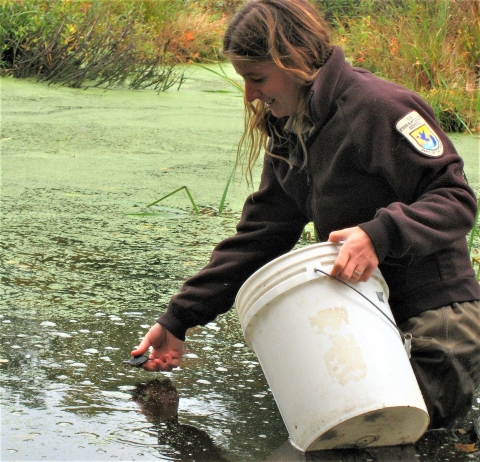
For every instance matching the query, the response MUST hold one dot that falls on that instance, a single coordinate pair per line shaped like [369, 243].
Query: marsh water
[86, 268]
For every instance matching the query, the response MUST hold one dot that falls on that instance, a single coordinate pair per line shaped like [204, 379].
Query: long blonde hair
[293, 35]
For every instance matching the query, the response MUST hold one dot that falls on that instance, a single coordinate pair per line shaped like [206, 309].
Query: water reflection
[286, 453]
[67, 382]
[433, 446]
[158, 401]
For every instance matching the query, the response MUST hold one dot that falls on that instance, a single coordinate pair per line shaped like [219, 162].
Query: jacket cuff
[378, 234]
[173, 325]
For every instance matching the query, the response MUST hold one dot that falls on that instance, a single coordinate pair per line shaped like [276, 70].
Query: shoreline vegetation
[430, 46]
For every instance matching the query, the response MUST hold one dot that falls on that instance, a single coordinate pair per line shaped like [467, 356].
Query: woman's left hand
[357, 258]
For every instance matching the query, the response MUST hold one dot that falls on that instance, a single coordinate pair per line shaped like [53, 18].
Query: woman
[366, 161]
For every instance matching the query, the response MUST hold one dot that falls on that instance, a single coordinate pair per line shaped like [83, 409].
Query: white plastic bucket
[336, 366]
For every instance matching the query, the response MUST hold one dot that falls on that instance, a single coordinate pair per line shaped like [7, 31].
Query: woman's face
[266, 82]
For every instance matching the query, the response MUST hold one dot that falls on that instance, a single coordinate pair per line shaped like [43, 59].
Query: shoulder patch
[416, 130]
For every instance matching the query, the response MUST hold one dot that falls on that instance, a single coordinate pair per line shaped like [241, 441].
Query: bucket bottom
[383, 427]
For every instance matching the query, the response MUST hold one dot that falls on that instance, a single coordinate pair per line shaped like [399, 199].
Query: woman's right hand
[167, 350]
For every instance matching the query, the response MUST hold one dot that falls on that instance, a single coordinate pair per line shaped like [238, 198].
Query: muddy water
[85, 271]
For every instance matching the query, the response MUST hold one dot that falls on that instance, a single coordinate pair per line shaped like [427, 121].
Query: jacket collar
[330, 83]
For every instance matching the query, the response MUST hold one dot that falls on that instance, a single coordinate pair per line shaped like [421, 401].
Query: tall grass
[430, 46]
[107, 42]
[473, 243]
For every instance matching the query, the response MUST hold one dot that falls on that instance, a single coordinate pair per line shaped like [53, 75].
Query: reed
[222, 73]
[221, 206]
[473, 239]
[197, 211]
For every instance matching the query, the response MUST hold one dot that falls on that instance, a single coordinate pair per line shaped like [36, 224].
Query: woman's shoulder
[358, 92]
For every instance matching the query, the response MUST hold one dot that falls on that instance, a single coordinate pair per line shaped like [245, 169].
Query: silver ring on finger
[357, 273]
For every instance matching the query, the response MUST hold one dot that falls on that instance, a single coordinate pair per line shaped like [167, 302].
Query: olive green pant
[446, 360]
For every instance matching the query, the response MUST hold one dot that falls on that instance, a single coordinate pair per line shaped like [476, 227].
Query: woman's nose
[251, 93]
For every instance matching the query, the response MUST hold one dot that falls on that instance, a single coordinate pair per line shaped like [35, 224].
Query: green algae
[86, 268]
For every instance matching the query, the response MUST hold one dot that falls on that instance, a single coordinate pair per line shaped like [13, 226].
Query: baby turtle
[136, 361]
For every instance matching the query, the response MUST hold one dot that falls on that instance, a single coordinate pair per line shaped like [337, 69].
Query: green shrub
[430, 46]
[104, 42]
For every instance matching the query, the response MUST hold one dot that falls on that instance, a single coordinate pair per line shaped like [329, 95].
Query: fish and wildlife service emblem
[416, 130]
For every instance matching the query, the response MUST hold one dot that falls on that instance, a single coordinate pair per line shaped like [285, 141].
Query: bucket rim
[256, 286]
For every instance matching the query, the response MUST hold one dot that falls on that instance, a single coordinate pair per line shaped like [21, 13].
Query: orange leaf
[188, 37]
[466, 447]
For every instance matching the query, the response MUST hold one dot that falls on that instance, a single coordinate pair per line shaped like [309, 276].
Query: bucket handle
[407, 338]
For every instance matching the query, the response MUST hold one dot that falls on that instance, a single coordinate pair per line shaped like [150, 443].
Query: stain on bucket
[344, 358]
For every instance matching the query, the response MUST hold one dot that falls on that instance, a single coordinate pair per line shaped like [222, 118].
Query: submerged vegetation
[430, 46]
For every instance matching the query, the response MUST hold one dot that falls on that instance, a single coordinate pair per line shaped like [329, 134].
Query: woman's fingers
[357, 259]
[167, 350]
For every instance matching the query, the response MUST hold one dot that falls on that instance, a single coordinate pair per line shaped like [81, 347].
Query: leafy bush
[105, 43]
[430, 46]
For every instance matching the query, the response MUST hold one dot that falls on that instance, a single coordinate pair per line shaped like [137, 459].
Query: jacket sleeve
[270, 226]
[435, 205]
